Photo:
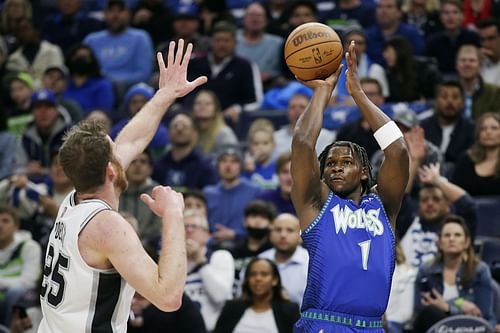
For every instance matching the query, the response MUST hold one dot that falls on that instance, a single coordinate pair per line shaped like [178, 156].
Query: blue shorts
[314, 320]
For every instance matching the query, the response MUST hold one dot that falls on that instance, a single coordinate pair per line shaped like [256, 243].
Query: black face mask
[82, 66]
[257, 233]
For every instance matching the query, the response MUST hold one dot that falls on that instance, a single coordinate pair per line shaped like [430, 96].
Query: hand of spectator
[50, 207]
[436, 299]
[164, 200]
[19, 181]
[429, 174]
[173, 81]
[19, 324]
[351, 74]
[249, 162]
[141, 16]
[487, 54]
[233, 112]
[415, 140]
[471, 309]
[223, 233]
[195, 251]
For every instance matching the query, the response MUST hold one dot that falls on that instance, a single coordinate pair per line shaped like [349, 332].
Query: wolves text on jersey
[344, 219]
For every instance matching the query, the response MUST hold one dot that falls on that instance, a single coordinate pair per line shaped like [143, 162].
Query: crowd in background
[432, 65]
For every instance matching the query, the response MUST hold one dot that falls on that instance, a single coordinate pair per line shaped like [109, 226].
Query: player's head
[88, 158]
[344, 166]
[262, 279]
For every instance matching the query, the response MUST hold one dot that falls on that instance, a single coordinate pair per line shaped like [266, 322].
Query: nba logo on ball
[313, 51]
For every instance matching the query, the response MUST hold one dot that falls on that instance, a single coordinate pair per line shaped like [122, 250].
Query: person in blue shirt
[347, 224]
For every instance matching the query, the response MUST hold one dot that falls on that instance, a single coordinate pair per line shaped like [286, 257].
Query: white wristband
[387, 134]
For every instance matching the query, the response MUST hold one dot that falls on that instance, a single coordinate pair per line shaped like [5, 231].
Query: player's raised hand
[352, 78]
[329, 82]
[173, 75]
[164, 200]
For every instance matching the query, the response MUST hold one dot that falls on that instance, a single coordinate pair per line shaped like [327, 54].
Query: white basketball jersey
[75, 297]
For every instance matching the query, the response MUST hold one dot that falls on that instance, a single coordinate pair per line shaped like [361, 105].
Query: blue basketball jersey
[351, 262]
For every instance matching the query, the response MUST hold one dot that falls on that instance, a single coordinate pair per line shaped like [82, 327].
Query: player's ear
[364, 173]
[110, 170]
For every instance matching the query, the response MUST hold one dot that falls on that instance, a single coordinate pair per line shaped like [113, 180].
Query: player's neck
[108, 195]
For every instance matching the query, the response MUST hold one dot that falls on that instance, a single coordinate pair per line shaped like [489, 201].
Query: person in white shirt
[489, 34]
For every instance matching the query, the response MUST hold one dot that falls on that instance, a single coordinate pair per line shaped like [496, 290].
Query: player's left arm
[173, 83]
[394, 171]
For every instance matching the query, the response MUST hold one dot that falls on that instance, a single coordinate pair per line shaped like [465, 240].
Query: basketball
[313, 51]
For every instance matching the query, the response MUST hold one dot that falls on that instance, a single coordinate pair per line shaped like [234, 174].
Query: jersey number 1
[57, 277]
[365, 253]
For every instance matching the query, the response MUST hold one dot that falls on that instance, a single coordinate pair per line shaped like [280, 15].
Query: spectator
[260, 166]
[228, 198]
[101, 117]
[186, 25]
[54, 79]
[475, 11]
[234, 80]
[447, 127]
[13, 12]
[139, 181]
[262, 48]
[424, 15]
[262, 307]
[489, 33]
[69, 24]
[437, 199]
[7, 149]
[4, 54]
[444, 45]
[125, 54]
[283, 137]
[33, 54]
[366, 67]
[388, 16]
[276, 16]
[290, 257]
[280, 197]
[422, 152]
[210, 276]
[195, 202]
[135, 98]
[353, 12]
[154, 17]
[20, 89]
[480, 97]
[213, 133]
[259, 216]
[399, 310]
[86, 85]
[44, 135]
[147, 318]
[478, 170]
[457, 281]
[182, 165]
[20, 263]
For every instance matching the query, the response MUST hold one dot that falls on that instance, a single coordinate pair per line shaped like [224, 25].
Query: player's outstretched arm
[173, 83]
[394, 171]
[111, 236]
[307, 188]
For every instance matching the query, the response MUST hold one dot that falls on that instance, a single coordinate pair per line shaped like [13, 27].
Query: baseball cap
[406, 117]
[20, 76]
[61, 68]
[186, 13]
[230, 150]
[43, 95]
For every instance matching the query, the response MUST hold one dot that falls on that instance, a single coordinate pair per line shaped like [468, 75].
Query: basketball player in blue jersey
[347, 223]
[94, 258]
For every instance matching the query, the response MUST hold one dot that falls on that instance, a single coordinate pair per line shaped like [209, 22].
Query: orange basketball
[313, 51]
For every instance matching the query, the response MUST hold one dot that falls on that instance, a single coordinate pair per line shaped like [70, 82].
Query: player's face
[489, 133]
[453, 239]
[342, 172]
[285, 233]
[260, 278]
[433, 205]
[8, 228]
[262, 146]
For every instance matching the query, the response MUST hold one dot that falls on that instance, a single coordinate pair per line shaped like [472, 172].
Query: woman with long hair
[455, 282]
[213, 133]
[263, 307]
[478, 170]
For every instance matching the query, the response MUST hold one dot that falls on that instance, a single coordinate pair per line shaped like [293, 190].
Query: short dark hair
[370, 80]
[302, 3]
[260, 208]
[450, 84]
[9, 210]
[282, 160]
[224, 26]
[84, 155]
[194, 193]
[488, 22]
[358, 152]
[456, 3]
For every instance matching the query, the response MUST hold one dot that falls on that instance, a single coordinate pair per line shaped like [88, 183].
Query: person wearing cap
[422, 152]
[183, 166]
[135, 98]
[86, 84]
[33, 54]
[228, 198]
[125, 53]
[43, 136]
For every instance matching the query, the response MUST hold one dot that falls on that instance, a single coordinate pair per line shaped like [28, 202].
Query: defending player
[346, 224]
[94, 258]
